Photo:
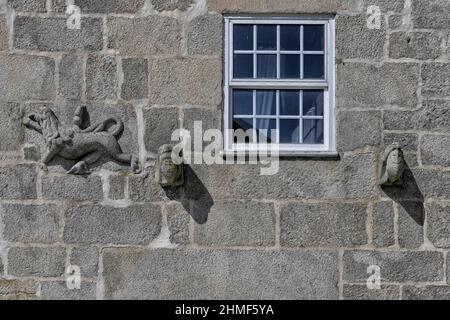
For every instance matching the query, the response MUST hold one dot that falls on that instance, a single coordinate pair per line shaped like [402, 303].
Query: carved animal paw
[43, 166]
[135, 165]
[79, 168]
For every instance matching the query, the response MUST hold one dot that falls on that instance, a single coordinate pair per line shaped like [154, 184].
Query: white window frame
[328, 148]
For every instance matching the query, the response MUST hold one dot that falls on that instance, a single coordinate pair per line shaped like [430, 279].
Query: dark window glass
[313, 103]
[242, 102]
[313, 131]
[267, 66]
[243, 37]
[266, 102]
[267, 37]
[290, 37]
[289, 131]
[313, 66]
[313, 36]
[243, 66]
[264, 130]
[289, 103]
[290, 66]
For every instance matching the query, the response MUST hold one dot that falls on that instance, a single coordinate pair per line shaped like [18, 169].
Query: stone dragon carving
[393, 167]
[86, 146]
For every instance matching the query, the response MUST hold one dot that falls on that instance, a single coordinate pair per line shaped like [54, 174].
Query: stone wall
[309, 232]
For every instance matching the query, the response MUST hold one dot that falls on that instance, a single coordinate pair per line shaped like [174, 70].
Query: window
[279, 74]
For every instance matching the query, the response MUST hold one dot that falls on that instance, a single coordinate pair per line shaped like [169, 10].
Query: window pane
[289, 131]
[243, 66]
[243, 124]
[313, 66]
[264, 130]
[313, 103]
[290, 37]
[289, 103]
[290, 66]
[243, 37]
[267, 37]
[242, 102]
[313, 37]
[313, 131]
[266, 102]
[267, 66]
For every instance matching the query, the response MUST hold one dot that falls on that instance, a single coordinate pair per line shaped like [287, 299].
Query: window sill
[290, 154]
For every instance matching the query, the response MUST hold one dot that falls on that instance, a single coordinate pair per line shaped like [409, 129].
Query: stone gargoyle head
[168, 173]
[393, 166]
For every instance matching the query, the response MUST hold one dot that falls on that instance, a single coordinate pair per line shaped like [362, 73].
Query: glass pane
[242, 102]
[290, 37]
[313, 66]
[264, 130]
[313, 131]
[267, 66]
[290, 66]
[243, 37]
[243, 124]
[313, 103]
[243, 66]
[267, 37]
[289, 103]
[266, 102]
[313, 37]
[289, 131]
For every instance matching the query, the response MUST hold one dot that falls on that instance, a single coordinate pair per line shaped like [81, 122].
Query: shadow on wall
[197, 200]
[408, 196]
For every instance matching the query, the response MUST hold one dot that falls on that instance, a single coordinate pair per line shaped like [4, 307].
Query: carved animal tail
[118, 127]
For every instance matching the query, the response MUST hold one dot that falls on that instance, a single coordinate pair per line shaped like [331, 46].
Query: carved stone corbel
[393, 167]
[168, 173]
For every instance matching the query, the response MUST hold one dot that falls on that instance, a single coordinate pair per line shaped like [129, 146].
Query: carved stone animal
[86, 146]
[393, 167]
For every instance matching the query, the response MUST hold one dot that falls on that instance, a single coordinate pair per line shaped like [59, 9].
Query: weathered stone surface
[210, 119]
[219, 274]
[362, 85]
[11, 126]
[107, 225]
[101, 77]
[135, 82]
[72, 187]
[431, 14]
[288, 6]
[18, 289]
[18, 182]
[415, 45]
[350, 178]
[395, 22]
[395, 266]
[28, 5]
[146, 188]
[426, 293]
[406, 141]
[160, 123]
[178, 222]
[116, 187]
[367, 125]
[434, 116]
[438, 224]
[143, 36]
[36, 261]
[355, 40]
[52, 34]
[179, 73]
[31, 223]
[71, 76]
[383, 224]
[361, 292]
[86, 258]
[411, 217]
[205, 35]
[237, 223]
[434, 150]
[31, 152]
[98, 6]
[57, 290]
[436, 82]
[39, 84]
[3, 34]
[385, 6]
[311, 225]
[163, 5]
